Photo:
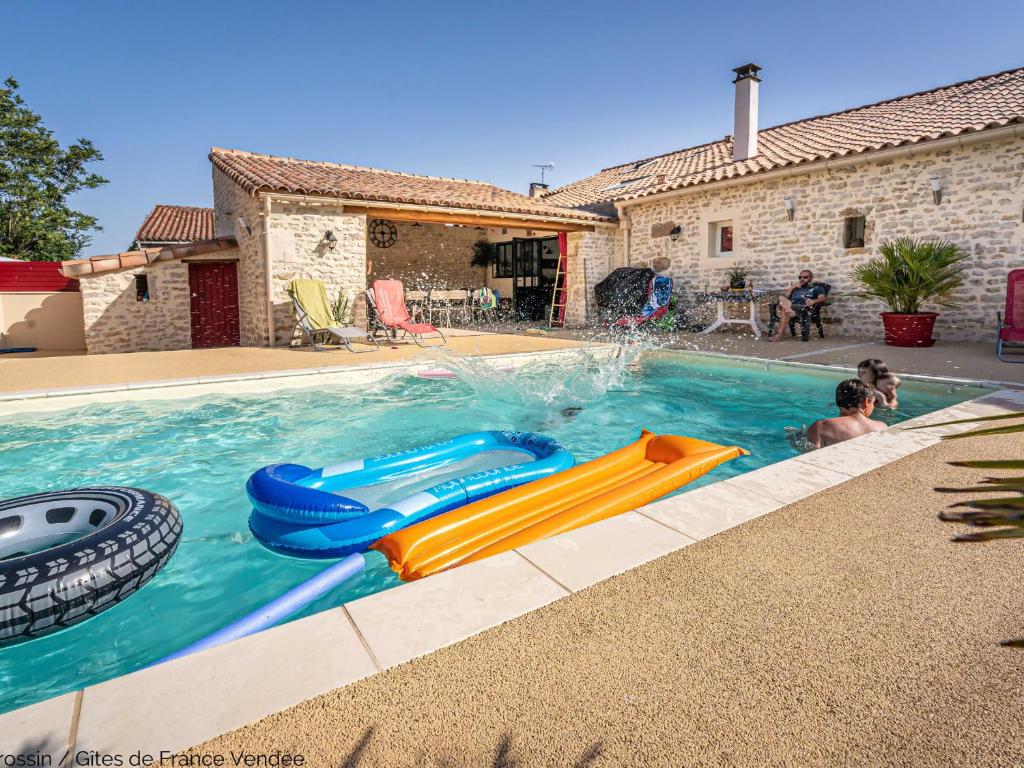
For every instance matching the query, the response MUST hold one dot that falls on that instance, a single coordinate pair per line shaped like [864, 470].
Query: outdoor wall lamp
[937, 189]
[243, 224]
[675, 232]
[790, 207]
[330, 240]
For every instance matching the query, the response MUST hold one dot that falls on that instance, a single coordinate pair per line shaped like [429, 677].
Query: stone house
[822, 193]
[819, 193]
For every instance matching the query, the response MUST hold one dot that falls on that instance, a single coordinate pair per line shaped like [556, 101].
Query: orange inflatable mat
[626, 479]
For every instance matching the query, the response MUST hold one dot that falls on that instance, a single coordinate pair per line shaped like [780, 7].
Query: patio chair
[443, 302]
[416, 302]
[315, 319]
[1010, 331]
[806, 316]
[483, 305]
[387, 301]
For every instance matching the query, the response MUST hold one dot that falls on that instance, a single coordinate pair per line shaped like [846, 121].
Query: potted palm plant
[908, 273]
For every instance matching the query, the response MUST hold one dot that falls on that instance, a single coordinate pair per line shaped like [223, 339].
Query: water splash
[571, 380]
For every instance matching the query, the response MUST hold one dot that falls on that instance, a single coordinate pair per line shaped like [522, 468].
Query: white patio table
[723, 298]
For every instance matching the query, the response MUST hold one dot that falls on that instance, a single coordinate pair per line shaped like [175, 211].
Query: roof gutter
[910, 150]
[347, 203]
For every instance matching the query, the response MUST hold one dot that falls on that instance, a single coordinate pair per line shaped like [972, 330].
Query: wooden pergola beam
[476, 220]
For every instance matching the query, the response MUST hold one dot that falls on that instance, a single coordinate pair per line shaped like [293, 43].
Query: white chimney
[537, 188]
[744, 135]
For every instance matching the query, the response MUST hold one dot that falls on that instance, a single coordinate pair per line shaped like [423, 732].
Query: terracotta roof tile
[254, 172]
[176, 224]
[144, 256]
[975, 105]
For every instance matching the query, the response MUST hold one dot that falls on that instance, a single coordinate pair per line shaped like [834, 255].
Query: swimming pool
[200, 451]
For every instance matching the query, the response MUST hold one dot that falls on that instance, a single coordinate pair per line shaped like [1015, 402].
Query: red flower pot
[909, 330]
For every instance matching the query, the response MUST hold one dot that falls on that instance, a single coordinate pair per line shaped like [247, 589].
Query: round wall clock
[383, 233]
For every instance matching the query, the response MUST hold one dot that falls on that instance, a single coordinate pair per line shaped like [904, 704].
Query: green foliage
[998, 517]
[483, 254]
[911, 271]
[737, 275]
[340, 308]
[36, 178]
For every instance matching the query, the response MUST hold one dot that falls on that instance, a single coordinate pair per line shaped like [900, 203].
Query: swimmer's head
[887, 384]
[855, 395]
[869, 370]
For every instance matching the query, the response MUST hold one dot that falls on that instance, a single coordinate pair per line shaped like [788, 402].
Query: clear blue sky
[469, 89]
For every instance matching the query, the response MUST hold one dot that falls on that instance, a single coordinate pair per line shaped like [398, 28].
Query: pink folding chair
[1010, 336]
[388, 301]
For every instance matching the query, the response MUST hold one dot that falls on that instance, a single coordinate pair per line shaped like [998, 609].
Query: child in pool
[883, 382]
[886, 386]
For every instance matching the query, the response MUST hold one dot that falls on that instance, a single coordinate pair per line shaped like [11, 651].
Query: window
[141, 288]
[625, 183]
[722, 232]
[853, 232]
[502, 260]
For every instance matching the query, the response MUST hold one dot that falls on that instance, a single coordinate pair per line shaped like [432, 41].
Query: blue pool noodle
[278, 609]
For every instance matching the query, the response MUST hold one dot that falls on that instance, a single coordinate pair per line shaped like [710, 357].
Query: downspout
[268, 266]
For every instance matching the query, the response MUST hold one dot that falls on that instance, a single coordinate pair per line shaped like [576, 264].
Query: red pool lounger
[388, 302]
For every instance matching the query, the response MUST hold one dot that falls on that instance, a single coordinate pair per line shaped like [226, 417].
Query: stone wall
[115, 321]
[589, 260]
[232, 203]
[428, 256]
[981, 209]
[298, 251]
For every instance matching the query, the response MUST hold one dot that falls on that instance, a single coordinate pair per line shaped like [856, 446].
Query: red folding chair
[1010, 336]
[388, 301]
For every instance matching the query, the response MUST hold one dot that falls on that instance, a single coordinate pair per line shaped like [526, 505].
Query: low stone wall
[116, 322]
[982, 200]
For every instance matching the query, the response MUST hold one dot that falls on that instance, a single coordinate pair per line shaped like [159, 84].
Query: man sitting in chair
[799, 297]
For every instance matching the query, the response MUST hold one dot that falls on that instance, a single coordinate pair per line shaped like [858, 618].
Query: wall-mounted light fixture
[675, 232]
[787, 201]
[243, 224]
[330, 240]
[937, 189]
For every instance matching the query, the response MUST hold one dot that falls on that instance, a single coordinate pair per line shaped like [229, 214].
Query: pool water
[199, 452]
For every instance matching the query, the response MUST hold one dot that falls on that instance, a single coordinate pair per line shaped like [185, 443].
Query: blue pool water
[198, 452]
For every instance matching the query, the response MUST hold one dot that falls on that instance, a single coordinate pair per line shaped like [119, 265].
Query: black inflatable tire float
[66, 556]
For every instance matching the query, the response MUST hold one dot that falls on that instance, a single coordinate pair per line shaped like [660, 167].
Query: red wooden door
[214, 308]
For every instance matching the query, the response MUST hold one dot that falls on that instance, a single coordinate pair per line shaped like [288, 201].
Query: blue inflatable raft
[339, 510]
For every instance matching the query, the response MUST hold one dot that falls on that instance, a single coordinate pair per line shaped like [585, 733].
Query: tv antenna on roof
[548, 166]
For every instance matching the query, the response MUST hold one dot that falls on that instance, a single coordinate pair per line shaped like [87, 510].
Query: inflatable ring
[69, 555]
